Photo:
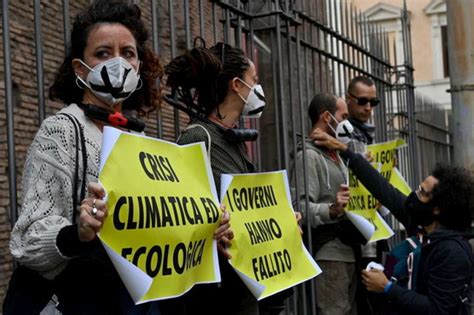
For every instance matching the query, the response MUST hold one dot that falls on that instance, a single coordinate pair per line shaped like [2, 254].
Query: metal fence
[300, 48]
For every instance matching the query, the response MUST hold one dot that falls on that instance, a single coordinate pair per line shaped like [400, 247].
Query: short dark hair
[208, 71]
[453, 196]
[359, 79]
[144, 100]
[319, 104]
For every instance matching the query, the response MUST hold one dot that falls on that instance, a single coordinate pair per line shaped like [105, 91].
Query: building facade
[429, 40]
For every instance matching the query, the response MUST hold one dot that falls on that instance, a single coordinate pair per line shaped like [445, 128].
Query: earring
[218, 114]
[78, 82]
[140, 84]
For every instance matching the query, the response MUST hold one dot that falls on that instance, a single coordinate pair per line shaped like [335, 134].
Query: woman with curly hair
[110, 66]
[442, 207]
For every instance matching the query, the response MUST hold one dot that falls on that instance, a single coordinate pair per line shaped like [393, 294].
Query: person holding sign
[110, 68]
[226, 88]
[442, 205]
[334, 237]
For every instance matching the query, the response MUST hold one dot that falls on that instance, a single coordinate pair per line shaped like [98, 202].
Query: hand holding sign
[224, 233]
[93, 212]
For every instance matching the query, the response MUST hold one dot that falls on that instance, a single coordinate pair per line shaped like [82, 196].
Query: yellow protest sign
[385, 153]
[361, 198]
[383, 159]
[163, 211]
[362, 204]
[371, 224]
[399, 182]
[267, 250]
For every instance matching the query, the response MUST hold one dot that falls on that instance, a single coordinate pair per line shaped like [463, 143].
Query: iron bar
[39, 61]
[304, 130]
[187, 30]
[173, 54]
[156, 48]
[281, 97]
[7, 62]
[66, 26]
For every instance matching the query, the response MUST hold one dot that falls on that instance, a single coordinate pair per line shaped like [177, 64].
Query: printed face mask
[255, 102]
[343, 130]
[113, 80]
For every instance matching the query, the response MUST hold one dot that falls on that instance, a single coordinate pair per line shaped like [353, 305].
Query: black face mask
[422, 212]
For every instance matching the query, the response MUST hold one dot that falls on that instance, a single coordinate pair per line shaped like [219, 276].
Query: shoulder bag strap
[79, 135]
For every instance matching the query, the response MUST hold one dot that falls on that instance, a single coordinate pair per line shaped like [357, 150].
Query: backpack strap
[412, 243]
[80, 140]
[410, 262]
[466, 296]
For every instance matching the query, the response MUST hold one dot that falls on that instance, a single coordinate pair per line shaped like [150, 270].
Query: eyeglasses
[421, 192]
[364, 100]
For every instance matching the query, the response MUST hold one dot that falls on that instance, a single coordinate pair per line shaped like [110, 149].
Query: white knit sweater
[47, 189]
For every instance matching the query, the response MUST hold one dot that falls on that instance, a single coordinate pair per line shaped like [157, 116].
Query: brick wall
[23, 67]
[24, 80]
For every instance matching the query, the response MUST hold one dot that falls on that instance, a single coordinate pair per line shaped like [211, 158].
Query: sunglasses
[364, 100]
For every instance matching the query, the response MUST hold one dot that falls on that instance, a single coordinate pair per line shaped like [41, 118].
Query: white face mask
[113, 80]
[343, 130]
[255, 102]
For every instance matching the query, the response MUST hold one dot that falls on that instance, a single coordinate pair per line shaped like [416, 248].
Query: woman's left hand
[93, 212]
[374, 280]
[224, 234]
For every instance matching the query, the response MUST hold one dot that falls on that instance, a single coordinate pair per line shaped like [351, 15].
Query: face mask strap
[333, 130]
[80, 80]
[241, 97]
[332, 116]
[330, 126]
[85, 65]
[245, 83]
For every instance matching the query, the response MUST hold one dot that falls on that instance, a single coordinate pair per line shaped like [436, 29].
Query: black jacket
[446, 264]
